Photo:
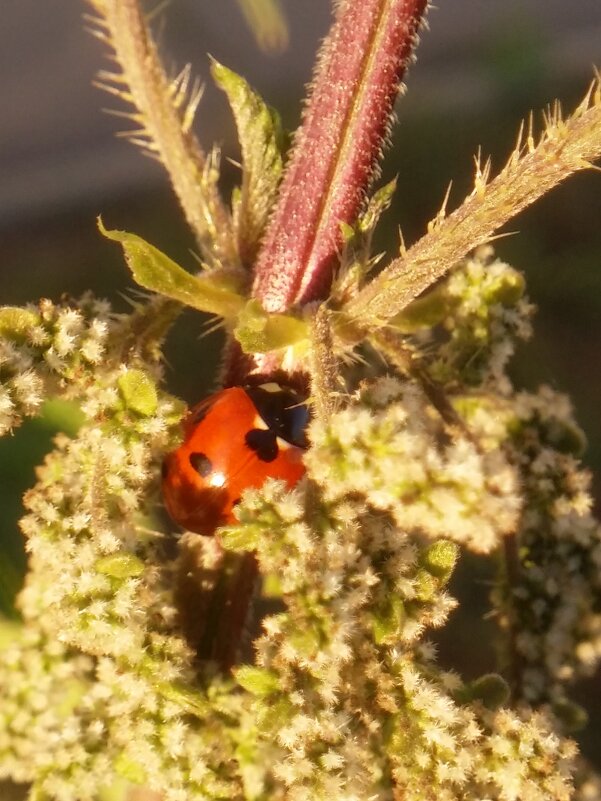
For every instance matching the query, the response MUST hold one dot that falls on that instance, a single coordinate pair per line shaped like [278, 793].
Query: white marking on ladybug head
[271, 387]
[282, 444]
[258, 422]
[217, 479]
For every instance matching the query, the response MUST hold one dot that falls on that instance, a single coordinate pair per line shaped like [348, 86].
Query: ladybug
[233, 439]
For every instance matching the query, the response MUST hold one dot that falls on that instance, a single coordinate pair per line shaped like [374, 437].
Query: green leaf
[260, 332]
[261, 137]
[257, 681]
[15, 322]
[61, 415]
[214, 292]
[377, 205]
[120, 566]
[138, 392]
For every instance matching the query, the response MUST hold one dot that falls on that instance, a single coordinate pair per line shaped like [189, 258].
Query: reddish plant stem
[337, 147]
[335, 157]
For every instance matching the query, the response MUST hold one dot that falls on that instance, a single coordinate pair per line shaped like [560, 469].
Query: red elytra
[233, 440]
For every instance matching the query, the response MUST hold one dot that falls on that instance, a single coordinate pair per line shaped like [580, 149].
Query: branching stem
[565, 147]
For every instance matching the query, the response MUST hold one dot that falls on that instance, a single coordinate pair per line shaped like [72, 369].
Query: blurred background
[481, 68]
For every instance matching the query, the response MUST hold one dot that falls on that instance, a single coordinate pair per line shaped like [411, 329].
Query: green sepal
[120, 566]
[242, 537]
[276, 714]
[257, 681]
[190, 701]
[260, 332]
[138, 392]
[130, 770]
[386, 624]
[309, 641]
[215, 292]
[261, 143]
[426, 586]
[15, 322]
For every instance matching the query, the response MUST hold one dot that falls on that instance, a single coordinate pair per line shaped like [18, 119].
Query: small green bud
[272, 586]
[130, 770]
[15, 322]
[491, 689]
[138, 392]
[241, 537]
[257, 681]
[120, 566]
[387, 624]
[508, 289]
[440, 559]
[307, 642]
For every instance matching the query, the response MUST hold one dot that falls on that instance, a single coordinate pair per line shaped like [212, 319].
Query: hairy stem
[337, 147]
[164, 127]
[533, 169]
[323, 363]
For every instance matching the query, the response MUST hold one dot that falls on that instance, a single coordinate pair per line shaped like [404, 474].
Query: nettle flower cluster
[102, 692]
[90, 680]
[117, 681]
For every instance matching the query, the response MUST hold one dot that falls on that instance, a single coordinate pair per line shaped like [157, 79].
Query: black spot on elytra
[201, 463]
[263, 442]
